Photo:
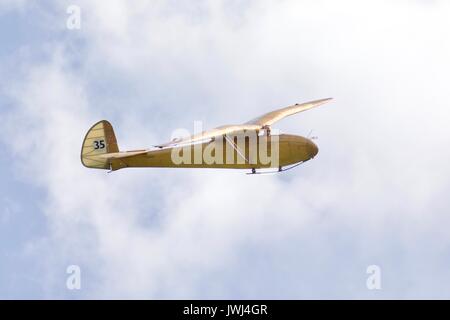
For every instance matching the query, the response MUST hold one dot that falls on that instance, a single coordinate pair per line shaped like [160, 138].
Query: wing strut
[235, 147]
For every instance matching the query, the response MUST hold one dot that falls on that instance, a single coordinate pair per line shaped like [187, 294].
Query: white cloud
[8, 5]
[375, 192]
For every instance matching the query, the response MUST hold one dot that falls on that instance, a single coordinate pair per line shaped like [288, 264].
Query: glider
[240, 146]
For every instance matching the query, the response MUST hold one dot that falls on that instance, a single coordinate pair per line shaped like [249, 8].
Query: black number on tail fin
[99, 144]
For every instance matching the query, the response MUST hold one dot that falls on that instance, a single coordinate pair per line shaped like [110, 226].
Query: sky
[376, 194]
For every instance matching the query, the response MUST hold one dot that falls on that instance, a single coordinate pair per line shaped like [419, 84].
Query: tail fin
[99, 140]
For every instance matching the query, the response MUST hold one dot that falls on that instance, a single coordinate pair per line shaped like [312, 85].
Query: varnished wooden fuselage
[264, 152]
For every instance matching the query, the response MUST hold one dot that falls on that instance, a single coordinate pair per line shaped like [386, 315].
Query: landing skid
[280, 169]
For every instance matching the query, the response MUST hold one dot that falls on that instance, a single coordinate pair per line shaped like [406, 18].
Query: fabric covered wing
[270, 118]
[255, 124]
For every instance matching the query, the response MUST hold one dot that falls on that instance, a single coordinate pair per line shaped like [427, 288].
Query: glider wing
[270, 118]
[256, 124]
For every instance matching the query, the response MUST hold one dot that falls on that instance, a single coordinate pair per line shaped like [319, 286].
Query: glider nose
[312, 149]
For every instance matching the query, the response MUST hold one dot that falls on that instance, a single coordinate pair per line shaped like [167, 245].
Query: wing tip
[321, 101]
[315, 102]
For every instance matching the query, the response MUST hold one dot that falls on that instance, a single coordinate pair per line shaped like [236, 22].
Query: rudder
[99, 140]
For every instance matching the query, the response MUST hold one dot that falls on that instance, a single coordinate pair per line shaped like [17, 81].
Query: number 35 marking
[99, 144]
